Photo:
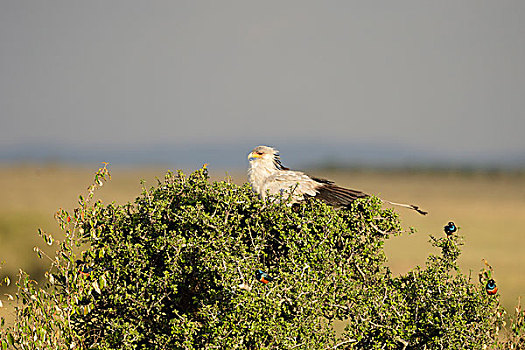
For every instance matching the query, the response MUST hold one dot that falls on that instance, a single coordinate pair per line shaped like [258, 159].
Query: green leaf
[10, 339]
[102, 282]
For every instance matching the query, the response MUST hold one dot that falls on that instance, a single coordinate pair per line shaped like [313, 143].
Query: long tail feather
[409, 206]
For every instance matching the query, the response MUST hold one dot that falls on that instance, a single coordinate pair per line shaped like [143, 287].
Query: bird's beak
[253, 156]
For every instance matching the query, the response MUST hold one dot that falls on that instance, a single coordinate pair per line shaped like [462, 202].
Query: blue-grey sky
[438, 76]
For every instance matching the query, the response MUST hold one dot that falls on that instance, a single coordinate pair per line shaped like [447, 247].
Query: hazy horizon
[233, 156]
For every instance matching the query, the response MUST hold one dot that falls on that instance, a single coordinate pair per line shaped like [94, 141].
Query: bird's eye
[259, 153]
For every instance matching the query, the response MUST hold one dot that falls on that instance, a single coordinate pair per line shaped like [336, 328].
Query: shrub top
[180, 268]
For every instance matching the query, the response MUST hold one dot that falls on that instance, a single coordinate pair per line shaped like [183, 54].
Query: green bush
[176, 269]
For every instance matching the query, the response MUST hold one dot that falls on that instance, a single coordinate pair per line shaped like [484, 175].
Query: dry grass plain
[488, 207]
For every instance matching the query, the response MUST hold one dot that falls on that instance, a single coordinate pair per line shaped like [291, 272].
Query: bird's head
[265, 156]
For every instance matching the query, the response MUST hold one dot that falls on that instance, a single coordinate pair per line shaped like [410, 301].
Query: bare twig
[344, 342]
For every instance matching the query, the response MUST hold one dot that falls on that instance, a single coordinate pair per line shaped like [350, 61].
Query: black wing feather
[338, 196]
[320, 180]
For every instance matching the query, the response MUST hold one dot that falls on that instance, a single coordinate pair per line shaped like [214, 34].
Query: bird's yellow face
[261, 153]
[255, 155]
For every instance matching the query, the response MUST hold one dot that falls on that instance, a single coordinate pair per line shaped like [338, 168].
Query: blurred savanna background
[418, 102]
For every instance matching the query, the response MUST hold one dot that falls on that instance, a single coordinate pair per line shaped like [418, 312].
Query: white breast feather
[295, 183]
